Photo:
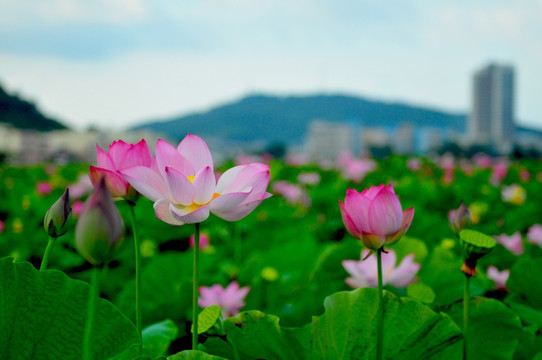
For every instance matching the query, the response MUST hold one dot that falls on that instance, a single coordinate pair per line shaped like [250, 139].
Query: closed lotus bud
[99, 230]
[460, 218]
[475, 245]
[56, 218]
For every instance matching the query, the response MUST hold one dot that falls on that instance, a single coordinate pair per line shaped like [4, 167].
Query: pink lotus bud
[230, 299]
[375, 216]
[460, 218]
[56, 218]
[100, 228]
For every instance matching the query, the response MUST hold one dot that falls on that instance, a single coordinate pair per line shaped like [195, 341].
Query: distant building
[326, 140]
[492, 118]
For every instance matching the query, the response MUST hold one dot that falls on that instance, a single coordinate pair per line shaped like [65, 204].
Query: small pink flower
[524, 175]
[500, 169]
[120, 156]
[293, 193]
[2, 226]
[414, 164]
[183, 186]
[354, 169]
[297, 159]
[82, 187]
[230, 299]
[534, 235]
[364, 273]
[499, 277]
[77, 207]
[203, 241]
[482, 160]
[44, 188]
[309, 178]
[513, 243]
[375, 216]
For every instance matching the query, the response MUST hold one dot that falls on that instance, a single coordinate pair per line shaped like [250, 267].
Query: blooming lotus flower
[120, 156]
[534, 235]
[354, 169]
[513, 243]
[230, 299]
[375, 216]
[182, 184]
[499, 277]
[364, 273]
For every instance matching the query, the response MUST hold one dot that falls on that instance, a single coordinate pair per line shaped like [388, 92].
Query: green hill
[23, 114]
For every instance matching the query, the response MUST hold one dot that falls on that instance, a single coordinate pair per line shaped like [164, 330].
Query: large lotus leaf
[193, 355]
[494, 330]
[166, 289]
[156, 340]
[43, 316]
[525, 282]
[347, 329]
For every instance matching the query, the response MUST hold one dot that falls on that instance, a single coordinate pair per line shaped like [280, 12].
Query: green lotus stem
[380, 324]
[45, 259]
[195, 291]
[466, 301]
[137, 244]
[93, 295]
[237, 244]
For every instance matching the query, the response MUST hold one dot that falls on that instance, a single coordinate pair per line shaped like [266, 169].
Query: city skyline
[119, 63]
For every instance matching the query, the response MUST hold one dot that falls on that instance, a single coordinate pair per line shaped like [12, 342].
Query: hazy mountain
[23, 114]
[285, 119]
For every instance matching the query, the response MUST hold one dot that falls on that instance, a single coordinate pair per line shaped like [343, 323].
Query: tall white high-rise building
[492, 118]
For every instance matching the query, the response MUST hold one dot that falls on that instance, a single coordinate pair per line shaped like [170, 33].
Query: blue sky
[116, 63]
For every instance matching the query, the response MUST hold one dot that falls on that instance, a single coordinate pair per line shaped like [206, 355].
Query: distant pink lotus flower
[524, 175]
[120, 156]
[364, 273]
[82, 187]
[375, 216]
[514, 242]
[183, 186]
[297, 159]
[309, 178]
[77, 207]
[482, 160]
[2, 226]
[230, 299]
[414, 164]
[534, 235]
[500, 169]
[499, 277]
[44, 188]
[203, 241]
[354, 169]
[294, 194]
[466, 167]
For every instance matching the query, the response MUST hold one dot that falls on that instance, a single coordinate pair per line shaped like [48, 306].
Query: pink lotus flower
[364, 273]
[82, 187]
[534, 235]
[375, 216]
[44, 188]
[482, 160]
[414, 164]
[513, 243]
[203, 241]
[524, 175]
[2, 226]
[182, 184]
[230, 299]
[354, 169]
[77, 207]
[500, 169]
[499, 277]
[120, 156]
[293, 193]
[309, 178]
